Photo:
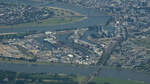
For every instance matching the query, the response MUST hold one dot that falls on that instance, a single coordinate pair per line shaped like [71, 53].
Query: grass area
[115, 81]
[62, 16]
[104, 80]
[15, 61]
[79, 79]
[48, 22]
[47, 78]
[8, 77]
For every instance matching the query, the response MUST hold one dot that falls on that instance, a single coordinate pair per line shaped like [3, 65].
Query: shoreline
[51, 21]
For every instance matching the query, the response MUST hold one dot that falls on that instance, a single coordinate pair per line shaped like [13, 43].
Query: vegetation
[7, 77]
[47, 22]
[36, 16]
[101, 80]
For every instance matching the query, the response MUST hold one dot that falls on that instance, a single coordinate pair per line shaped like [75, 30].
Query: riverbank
[91, 17]
[48, 78]
[59, 16]
[106, 72]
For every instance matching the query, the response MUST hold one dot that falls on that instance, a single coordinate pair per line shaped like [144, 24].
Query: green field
[62, 16]
[47, 22]
[7, 77]
[115, 81]
[104, 80]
